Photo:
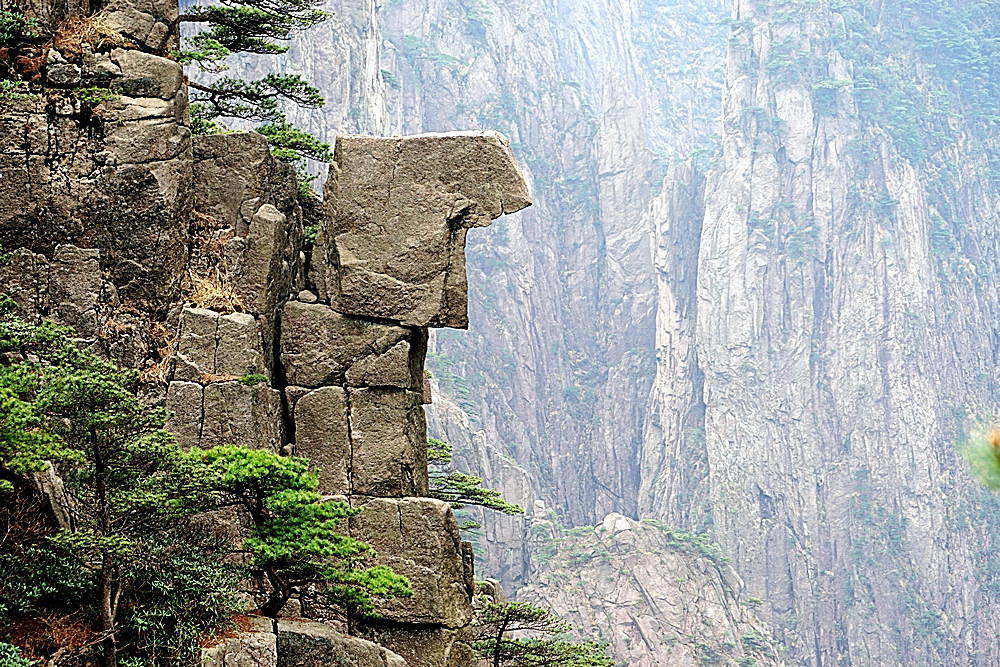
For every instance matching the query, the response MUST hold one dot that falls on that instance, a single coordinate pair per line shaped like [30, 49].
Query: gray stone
[238, 350]
[124, 190]
[25, 277]
[184, 400]
[196, 344]
[59, 72]
[418, 538]
[389, 443]
[321, 435]
[235, 414]
[146, 75]
[214, 344]
[422, 646]
[390, 369]
[257, 647]
[319, 346]
[404, 259]
[305, 644]
[259, 267]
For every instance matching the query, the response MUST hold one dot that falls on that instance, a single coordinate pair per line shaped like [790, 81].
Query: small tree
[522, 634]
[294, 540]
[459, 488]
[126, 479]
[254, 26]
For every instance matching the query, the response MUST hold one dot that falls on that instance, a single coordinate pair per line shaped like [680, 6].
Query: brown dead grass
[213, 292]
[212, 378]
[93, 30]
[161, 342]
[209, 286]
[240, 623]
[48, 632]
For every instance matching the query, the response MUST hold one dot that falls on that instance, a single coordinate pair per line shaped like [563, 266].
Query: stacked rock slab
[246, 237]
[123, 227]
[388, 262]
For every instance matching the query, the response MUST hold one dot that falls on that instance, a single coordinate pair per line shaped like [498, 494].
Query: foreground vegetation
[156, 547]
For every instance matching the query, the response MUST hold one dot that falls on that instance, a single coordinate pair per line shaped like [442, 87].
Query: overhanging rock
[392, 246]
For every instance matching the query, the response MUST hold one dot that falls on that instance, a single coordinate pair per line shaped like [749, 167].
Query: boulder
[184, 401]
[255, 647]
[418, 538]
[305, 644]
[320, 346]
[423, 646]
[214, 344]
[236, 414]
[321, 434]
[404, 258]
[388, 443]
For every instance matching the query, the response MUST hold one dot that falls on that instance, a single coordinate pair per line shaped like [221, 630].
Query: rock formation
[184, 257]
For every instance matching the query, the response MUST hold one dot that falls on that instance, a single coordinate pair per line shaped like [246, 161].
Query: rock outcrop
[658, 596]
[185, 258]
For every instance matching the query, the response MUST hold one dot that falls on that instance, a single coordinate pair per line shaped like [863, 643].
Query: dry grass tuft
[212, 378]
[93, 30]
[161, 343]
[213, 292]
[49, 631]
[207, 284]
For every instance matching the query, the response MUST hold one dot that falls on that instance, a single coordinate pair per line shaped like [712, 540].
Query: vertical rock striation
[845, 327]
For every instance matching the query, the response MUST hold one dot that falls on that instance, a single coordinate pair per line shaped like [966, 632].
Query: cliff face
[845, 327]
[658, 596]
[782, 352]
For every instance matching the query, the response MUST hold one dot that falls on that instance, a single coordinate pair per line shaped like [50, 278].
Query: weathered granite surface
[393, 243]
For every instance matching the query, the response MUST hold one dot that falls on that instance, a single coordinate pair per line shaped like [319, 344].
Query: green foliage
[291, 144]
[248, 26]
[309, 235]
[251, 379]
[38, 577]
[522, 634]
[696, 544]
[10, 656]
[252, 26]
[94, 95]
[756, 642]
[16, 28]
[459, 488]
[229, 97]
[13, 91]
[179, 588]
[294, 539]
[140, 558]
[203, 123]
[391, 79]
[982, 451]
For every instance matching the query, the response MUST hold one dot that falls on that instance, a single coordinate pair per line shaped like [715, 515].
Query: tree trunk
[107, 619]
[280, 592]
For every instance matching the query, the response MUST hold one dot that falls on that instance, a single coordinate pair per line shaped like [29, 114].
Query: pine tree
[294, 538]
[459, 488]
[522, 634]
[254, 26]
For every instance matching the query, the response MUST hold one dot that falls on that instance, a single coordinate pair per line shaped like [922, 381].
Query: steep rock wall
[845, 327]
